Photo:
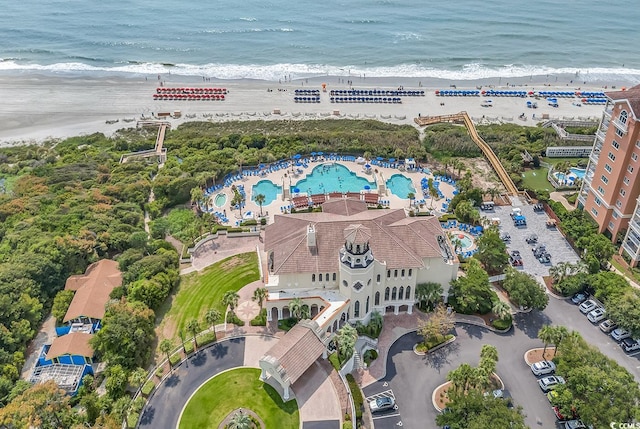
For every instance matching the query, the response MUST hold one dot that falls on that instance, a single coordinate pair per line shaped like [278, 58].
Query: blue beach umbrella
[320, 153]
[367, 166]
[261, 166]
[367, 187]
[297, 156]
[296, 190]
[392, 160]
[379, 158]
[313, 154]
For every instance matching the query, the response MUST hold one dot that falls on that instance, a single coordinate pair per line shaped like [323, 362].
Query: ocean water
[271, 39]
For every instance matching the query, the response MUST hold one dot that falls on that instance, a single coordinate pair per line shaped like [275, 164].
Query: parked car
[515, 258]
[539, 250]
[579, 298]
[597, 315]
[588, 306]
[608, 326]
[575, 424]
[505, 237]
[383, 403]
[620, 334]
[545, 258]
[550, 382]
[538, 207]
[562, 417]
[630, 345]
[544, 367]
[505, 395]
[531, 239]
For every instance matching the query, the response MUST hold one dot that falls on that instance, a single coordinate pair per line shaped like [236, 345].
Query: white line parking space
[380, 395]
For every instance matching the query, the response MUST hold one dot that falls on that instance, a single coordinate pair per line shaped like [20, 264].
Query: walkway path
[560, 198]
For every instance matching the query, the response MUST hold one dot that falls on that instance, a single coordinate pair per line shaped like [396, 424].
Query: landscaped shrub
[287, 324]
[233, 318]
[335, 361]
[189, 347]
[206, 338]
[260, 319]
[249, 222]
[502, 324]
[356, 394]
[347, 425]
[369, 356]
[433, 342]
[132, 420]
[263, 221]
[235, 230]
[160, 372]
[175, 359]
[148, 388]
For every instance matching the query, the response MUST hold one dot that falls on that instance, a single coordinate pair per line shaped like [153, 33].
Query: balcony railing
[600, 135]
[619, 125]
[607, 113]
[631, 250]
[594, 156]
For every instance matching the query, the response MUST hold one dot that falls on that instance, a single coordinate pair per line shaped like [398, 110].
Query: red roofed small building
[611, 187]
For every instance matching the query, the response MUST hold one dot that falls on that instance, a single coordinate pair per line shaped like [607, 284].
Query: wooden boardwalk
[464, 119]
[158, 151]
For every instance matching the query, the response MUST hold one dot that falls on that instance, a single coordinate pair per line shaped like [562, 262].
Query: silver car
[383, 403]
[587, 306]
[597, 315]
[544, 367]
[620, 334]
[550, 382]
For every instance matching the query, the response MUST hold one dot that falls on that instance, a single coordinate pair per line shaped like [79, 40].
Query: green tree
[487, 365]
[376, 321]
[428, 293]
[193, 326]
[472, 293]
[137, 377]
[259, 295]
[260, 199]
[237, 200]
[183, 337]
[117, 379]
[166, 347]
[473, 410]
[501, 309]
[562, 270]
[440, 323]
[197, 196]
[61, 304]
[44, 405]
[345, 341]
[492, 251]
[240, 420]
[598, 249]
[411, 197]
[127, 335]
[625, 310]
[466, 212]
[230, 299]
[295, 307]
[211, 317]
[558, 334]
[524, 290]
[546, 335]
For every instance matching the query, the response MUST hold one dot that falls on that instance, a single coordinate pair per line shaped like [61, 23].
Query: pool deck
[285, 178]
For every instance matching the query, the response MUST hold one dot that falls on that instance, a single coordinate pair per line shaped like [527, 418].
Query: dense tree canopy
[524, 290]
[492, 251]
[472, 293]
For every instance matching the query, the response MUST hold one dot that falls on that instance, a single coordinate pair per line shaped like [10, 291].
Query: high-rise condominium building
[611, 187]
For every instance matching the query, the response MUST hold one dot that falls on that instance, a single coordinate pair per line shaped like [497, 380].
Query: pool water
[400, 185]
[220, 200]
[267, 188]
[326, 178]
[579, 172]
[465, 241]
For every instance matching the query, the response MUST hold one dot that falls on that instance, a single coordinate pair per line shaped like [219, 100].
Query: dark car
[538, 207]
[579, 298]
[630, 345]
[515, 259]
[538, 250]
[531, 239]
[544, 258]
[505, 237]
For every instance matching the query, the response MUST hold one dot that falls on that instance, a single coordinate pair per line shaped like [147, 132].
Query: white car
[382, 404]
[550, 382]
[596, 315]
[587, 306]
[620, 334]
[544, 367]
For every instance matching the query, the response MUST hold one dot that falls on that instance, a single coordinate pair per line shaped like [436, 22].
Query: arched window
[410, 271]
[402, 273]
[366, 307]
[394, 293]
[376, 301]
[344, 283]
[400, 292]
[386, 294]
[320, 277]
[408, 293]
[357, 248]
[378, 278]
[334, 277]
[356, 309]
[326, 277]
[395, 273]
[388, 273]
[623, 117]
[313, 277]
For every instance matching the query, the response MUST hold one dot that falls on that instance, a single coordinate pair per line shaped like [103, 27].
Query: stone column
[410, 309]
[286, 392]
[395, 310]
[279, 314]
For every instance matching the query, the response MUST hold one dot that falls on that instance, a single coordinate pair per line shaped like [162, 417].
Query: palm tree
[411, 196]
[260, 200]
[197, 196]
[193, 326]
[182, 338]
[546, 335]
[211, 317]
[558, 334]
[230, 299]
[260, 295]
[295, 307]
[346, 341]
[237, 200]
[501, 309]
[376, 321]
[166, 346]
[433, 193]
[429, 292]
[240, 420]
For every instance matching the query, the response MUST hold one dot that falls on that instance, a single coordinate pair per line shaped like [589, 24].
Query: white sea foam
[296, 71]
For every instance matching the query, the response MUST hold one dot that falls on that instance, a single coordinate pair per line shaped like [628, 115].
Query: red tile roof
[631, 96]
[93, 289]
[398, 240]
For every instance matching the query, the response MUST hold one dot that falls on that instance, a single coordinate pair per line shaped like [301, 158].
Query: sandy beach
[35, 107]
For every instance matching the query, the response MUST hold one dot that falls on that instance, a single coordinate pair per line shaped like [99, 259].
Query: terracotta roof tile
[93, 289]
[76, 343]
[631, 96]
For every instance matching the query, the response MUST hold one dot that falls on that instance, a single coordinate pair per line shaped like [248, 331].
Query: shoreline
[43, 106]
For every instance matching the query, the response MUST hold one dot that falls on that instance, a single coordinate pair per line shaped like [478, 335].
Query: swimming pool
[400, 185]
[579, 172]
[267, 188]
[332, 178]
[220, 200]
[462, 241]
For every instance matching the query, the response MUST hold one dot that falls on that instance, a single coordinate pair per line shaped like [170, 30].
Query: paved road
[164, 407]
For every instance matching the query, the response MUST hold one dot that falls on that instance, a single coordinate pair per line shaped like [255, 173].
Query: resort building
[568, 151]
[610, 189]
[70, 356]
[345, 263]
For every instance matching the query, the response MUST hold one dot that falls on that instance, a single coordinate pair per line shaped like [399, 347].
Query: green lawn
[201, 291]
[536, 180]
[238, 388]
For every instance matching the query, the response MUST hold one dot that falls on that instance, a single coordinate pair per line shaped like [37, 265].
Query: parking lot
[556, 245]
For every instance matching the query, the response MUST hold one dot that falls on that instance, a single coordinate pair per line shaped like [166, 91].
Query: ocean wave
[274, 72]
[248, 19]
[247, 30]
